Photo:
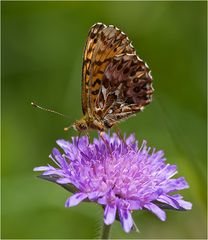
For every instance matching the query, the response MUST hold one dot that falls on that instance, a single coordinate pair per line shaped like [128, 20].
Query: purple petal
[184, 204]
[126, 219]
[53, 171]
[75, 199]
[130, 139]
[93, 195]
[65, 145]
[167, 199]
[42, 168]
[171, 170]
[57, 155]
[63, 180]
[102, 200]
[109, 214]
[156, 210]
[134, 205]
[176, 184]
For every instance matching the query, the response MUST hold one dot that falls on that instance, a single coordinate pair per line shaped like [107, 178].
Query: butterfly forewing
[103, 44]
[87, 60]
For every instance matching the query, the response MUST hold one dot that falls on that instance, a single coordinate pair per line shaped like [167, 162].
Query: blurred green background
[42, 47]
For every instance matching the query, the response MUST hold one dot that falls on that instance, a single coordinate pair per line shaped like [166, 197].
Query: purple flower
[118, 174]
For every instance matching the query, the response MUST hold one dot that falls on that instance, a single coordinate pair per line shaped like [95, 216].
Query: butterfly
[116, 83]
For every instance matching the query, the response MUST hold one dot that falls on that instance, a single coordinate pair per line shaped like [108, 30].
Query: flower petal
[126, 219]
[130, 139]
[156, 210]
[52, 172]
[75, 199]
[93, 195]
[184, 204]
[102, 200]
[170, 170]
[109, 214]
[167, 199]
[42, 168]
[176, 184]
[65, 145]
[134, 204]
[59, 158]
[63, 180]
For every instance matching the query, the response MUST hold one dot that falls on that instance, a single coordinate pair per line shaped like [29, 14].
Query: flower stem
[106, 231]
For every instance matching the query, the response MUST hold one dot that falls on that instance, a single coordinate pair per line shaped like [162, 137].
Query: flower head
[118, 174]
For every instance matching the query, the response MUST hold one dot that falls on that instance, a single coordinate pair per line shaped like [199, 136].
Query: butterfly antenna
[49, 110]
[67, 128]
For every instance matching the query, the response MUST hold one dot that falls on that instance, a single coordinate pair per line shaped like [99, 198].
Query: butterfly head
[80, 125]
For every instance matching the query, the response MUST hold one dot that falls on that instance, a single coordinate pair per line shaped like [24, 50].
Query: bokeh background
[42, 47]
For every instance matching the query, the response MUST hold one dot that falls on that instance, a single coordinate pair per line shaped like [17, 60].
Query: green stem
[106, 231]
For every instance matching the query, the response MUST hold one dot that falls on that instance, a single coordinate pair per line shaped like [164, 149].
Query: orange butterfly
[116, 83]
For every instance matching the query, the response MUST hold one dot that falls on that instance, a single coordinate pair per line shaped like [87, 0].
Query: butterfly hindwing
[126, 89]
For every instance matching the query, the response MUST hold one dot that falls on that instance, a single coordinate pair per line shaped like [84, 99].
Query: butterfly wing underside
[116, 83]
[103, 44]
[126, 89]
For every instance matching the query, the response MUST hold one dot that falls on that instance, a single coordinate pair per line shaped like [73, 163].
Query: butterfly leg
[88, 135]
[106, 143]
[79, 134]
[118, 132]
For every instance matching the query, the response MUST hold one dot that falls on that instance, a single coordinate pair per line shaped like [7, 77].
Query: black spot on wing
[97, 81]
[95, 92]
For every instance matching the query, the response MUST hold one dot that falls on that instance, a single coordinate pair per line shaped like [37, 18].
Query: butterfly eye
[83, 126]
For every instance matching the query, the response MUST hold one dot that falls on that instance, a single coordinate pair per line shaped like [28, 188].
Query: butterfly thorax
[87, 123]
